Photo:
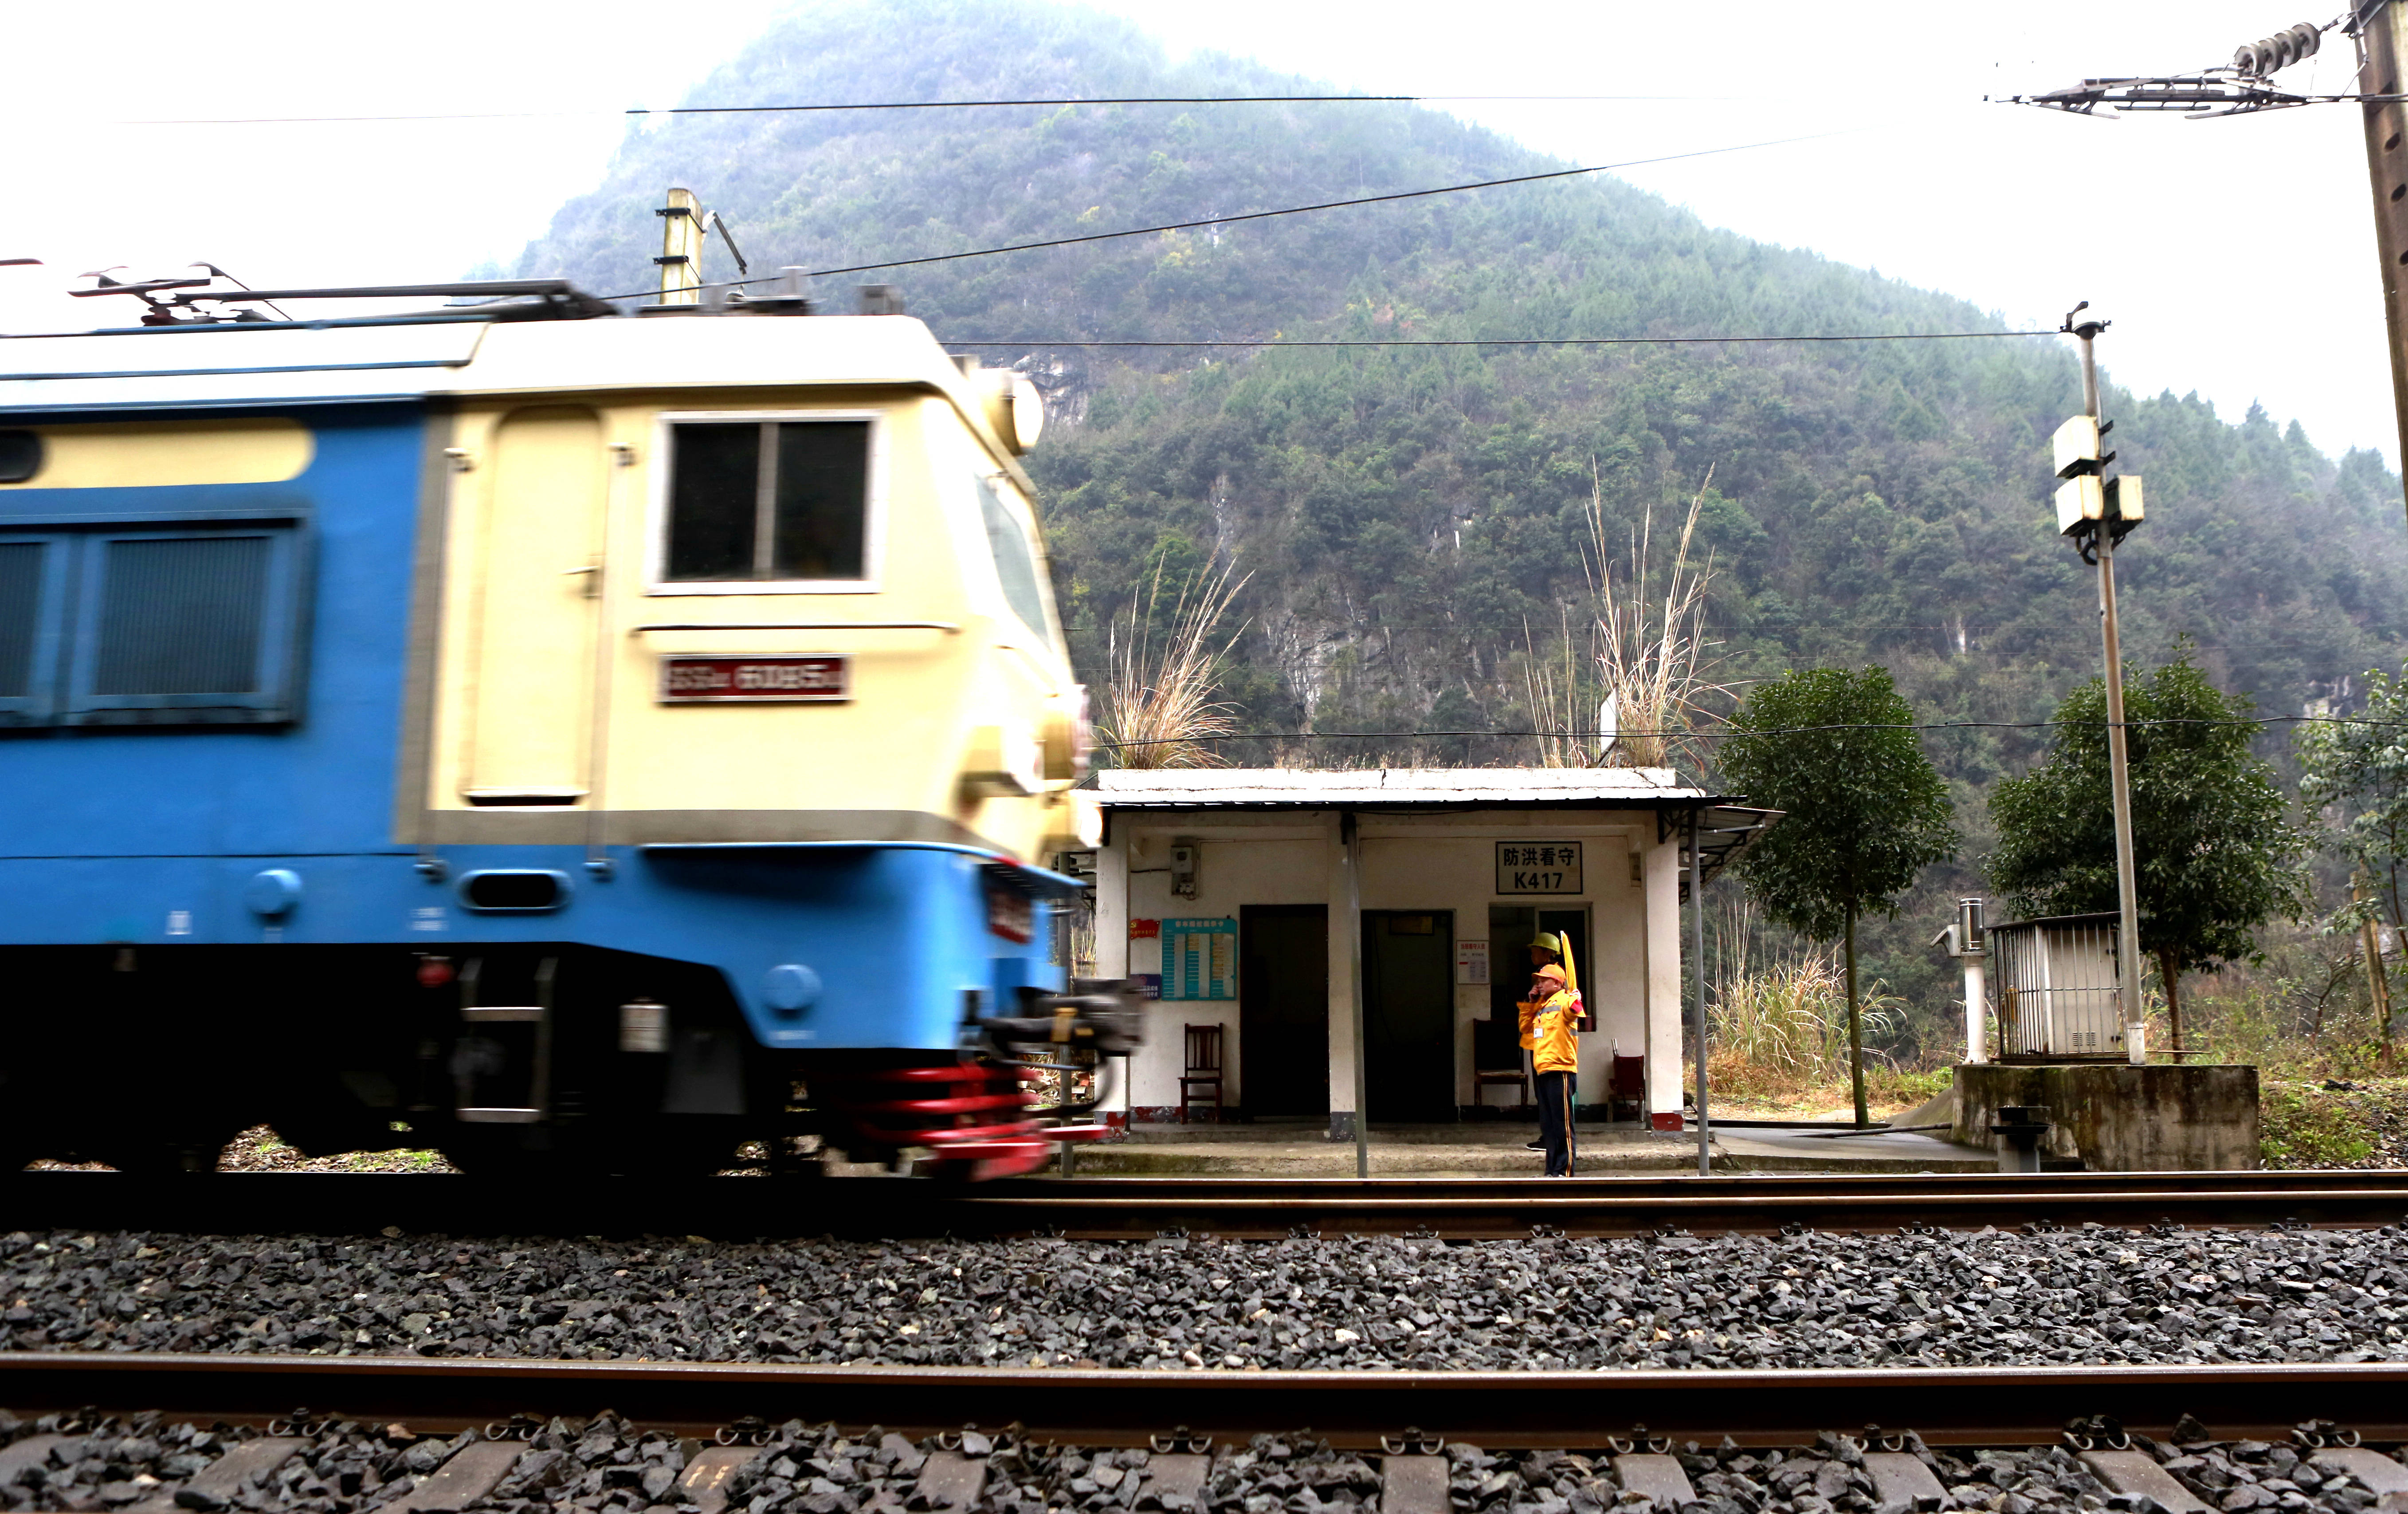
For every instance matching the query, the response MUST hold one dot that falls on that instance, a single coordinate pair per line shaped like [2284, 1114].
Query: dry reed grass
[1557, 697]
[1158, 706]
[1775, 1030]
[1653, 657]
[1647, 677]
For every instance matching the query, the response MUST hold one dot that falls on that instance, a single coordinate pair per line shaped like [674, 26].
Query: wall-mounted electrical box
[1185, 855]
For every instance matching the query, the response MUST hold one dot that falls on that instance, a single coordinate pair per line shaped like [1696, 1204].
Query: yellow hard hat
[1547, 940]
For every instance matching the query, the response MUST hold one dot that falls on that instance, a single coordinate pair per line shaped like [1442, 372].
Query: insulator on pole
[2270, 55]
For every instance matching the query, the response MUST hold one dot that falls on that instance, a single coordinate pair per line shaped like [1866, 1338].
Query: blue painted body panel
[150, 837]
[322, 786]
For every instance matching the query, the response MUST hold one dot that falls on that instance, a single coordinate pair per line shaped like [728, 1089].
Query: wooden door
[1284, 1010]
[1408, 1014]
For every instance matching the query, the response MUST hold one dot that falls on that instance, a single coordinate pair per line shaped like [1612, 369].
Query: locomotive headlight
[1007, 760]
[1069, 740]
[1013, 408]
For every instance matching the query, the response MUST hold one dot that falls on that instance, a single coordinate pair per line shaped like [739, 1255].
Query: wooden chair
[1625, 1087]
[1494, 1043]
[1202, 1071]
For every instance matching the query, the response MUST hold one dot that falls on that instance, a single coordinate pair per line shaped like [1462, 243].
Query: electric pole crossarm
[2379, 29]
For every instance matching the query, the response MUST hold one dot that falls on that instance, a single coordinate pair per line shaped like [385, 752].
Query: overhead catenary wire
[818, 107]
[1260, 215]
[1520, 342]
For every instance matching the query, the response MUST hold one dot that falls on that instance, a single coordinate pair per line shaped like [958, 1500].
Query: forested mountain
[1415, 520]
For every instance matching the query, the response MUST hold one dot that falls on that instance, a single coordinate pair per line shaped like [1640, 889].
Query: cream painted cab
[801, 611]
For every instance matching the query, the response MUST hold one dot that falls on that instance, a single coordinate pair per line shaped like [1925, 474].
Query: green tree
[2214, 853]
[2354, 777]
[1865, 811]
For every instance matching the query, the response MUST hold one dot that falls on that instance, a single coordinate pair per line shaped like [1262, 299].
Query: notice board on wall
[1538, 867]
[1199, 959]
[1471, 961]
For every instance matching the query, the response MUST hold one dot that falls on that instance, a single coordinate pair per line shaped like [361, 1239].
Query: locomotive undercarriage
[514, 1058]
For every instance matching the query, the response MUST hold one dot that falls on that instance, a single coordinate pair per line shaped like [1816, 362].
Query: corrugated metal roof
[1726, 827]
[1300, 788]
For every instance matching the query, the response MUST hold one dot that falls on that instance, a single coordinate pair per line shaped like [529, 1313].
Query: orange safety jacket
[1547, 1030]
[1528, 1009]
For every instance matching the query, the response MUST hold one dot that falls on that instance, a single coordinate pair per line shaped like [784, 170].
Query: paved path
[1497, 1150]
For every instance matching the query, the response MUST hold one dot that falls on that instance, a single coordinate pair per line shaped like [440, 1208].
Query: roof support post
[1698, 973]
[1112, 957]
[1350, 861]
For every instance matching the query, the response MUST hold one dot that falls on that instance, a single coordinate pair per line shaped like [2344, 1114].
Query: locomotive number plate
[1010, 914]
[819, 678]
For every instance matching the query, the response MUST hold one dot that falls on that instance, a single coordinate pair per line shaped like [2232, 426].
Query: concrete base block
[2118, 1118]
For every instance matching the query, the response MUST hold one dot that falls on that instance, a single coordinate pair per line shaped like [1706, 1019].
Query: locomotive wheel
[678, 1146]
[498, 1151]
[161, 1153]
[19, 1132]
[17, 1145]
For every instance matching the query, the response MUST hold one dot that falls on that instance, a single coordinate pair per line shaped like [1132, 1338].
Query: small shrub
[1884, 1084]
[2307, 1127]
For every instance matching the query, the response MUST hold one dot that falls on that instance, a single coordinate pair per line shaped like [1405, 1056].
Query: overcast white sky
[2236, 257]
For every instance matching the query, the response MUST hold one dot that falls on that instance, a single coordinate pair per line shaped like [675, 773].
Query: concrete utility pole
[2381, 30]
[2127, 934]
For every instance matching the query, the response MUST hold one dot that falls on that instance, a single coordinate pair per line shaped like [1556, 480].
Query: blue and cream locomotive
[555, 736]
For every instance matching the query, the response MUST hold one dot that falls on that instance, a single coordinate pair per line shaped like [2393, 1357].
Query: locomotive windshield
[768, 502]
[1014, 562]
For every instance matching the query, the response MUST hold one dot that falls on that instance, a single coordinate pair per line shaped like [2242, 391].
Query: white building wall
[1438, 863]
[1241, 864]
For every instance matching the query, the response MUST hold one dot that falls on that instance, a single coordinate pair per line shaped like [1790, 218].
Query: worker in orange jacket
[1546, 948]
[1554, 1018]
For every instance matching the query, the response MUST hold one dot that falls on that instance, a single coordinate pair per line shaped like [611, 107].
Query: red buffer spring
[961, 1113]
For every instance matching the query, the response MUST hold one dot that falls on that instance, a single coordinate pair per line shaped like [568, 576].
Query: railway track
[1127, 1208]
[1945, 1405]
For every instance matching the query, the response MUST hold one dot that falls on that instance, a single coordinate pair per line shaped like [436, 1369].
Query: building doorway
[1510, 929]
[1284, 1010]
[1408, 1014]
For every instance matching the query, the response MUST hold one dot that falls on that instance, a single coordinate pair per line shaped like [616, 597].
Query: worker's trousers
[1556, 1093]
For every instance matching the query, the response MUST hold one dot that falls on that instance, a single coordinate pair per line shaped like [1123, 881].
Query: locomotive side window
[768, 502]
[180, 616]
[21, 577]
[186, 627]
[195, 625]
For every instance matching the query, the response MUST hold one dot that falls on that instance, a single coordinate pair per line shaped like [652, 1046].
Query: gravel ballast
[604, 1466]
[2090, 1295]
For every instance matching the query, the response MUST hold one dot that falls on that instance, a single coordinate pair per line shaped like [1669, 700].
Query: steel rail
[1127, 1208]
[1988, 1405]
